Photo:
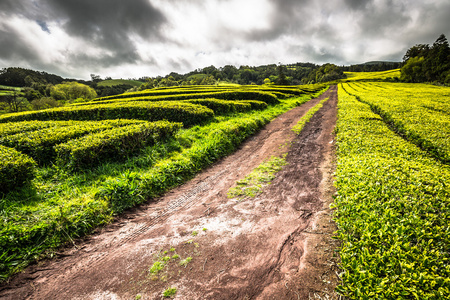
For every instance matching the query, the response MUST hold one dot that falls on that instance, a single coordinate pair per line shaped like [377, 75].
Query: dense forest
[427, 63]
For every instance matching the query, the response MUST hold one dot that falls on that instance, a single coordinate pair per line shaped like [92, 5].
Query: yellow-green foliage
[16, 169]
[392, 210]
[113, 144]
[419, 112]
[72, 90]
[199, 89]
[305, 119]
[174, 111]
[181, 94]
[258, 105]
[222, 106]
[20, 127]
[368, 76]
[39, 144]
[62, 206]
[261, 176]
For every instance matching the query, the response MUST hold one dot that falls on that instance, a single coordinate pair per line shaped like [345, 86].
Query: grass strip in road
[260, 177]
[305, 119]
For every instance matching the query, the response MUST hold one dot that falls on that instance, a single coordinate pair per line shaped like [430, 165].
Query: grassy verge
[59, 206]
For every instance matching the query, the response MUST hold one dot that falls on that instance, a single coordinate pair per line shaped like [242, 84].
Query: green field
[66, 171]
[77, 166]
[372, 76]
[113, 82]
[393, 182]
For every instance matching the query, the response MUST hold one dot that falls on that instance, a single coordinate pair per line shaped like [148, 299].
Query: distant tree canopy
[373, 66]
[14, 101]
[103, 91]
[71, 91]
[291, 74]
[425, 63]
[20, 77]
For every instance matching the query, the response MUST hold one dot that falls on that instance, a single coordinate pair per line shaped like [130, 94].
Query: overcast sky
[134, 38]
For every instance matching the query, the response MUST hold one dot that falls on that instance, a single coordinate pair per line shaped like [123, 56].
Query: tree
[44, 103]
[167, 82]
[71, 91]
[149, 84]
[281, 80]
[412, 70]
[96, 78]
[427, 63]
[14, 101]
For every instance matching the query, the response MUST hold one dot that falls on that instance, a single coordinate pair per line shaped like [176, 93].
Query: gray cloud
[43, 25]
[109, 24]
[104, 24]
[108, 19]
[101, 36]
[14, 47]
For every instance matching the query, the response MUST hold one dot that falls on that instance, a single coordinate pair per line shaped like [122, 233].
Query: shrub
[255, 104]
[116, 143]
[188, 113]
[16, 169]
[222, 106]
[232, 95]
[39, 144]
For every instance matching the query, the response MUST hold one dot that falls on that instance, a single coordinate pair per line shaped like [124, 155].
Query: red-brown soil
[277, 245]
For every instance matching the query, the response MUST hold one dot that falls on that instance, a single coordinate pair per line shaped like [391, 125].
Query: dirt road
[275, 246]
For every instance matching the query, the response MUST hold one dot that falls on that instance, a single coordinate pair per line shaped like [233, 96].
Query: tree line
[40, 90]
[291, 74]
[427, 63]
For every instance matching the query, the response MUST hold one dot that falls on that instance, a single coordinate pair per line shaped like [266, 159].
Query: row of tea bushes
[392, 210]
[16, 169]
[414, 111]
[188, 113]
[26, 126]
[280, 92]
[267, 97]
[113, 144]
[221, 107]
[39, 144]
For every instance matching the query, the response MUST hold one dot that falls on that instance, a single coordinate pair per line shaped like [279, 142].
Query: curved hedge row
[39, 144]
[267, 97]
[20, 127]
[189, 114]
[222, 106]
[158, 92]
[255, 104]
[113, 144]
[15, 169]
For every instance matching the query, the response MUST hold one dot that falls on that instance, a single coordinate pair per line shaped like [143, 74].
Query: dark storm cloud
[357, 4]
[11, 6]
[13, 47]
[314, 54]
[108, 19]
[370, 20]
[109, 25]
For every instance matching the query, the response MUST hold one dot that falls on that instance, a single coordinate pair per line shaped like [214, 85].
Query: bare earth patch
[277, 245]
